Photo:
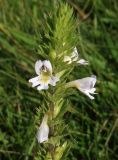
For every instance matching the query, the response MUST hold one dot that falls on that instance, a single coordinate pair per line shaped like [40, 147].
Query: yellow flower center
[45, 76]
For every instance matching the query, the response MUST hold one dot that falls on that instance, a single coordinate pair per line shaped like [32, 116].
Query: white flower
[83, 62]
[85, 85]
[43, 131]
[74, 58]
[44, 71]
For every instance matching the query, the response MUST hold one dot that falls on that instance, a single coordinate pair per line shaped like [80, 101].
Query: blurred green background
[95, 122]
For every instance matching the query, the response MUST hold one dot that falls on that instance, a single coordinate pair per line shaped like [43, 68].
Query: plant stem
[51, 146]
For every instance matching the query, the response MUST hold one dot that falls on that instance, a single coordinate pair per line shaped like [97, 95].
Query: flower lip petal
[32, 80]
[38, 66]
[45, 86]
[83, 62]
[90, 96]
[87, 92]
[35, 84]
[40, 87]
[53, 80]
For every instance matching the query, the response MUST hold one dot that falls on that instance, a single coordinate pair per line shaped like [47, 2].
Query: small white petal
[48, 65]
[67, 59]
[53, 80]
[38, 66]
[45, 86]
[32, 80]
[43, 131]
[35, 84]
[93, 79]
[40, 88]
[74, 55]
[92, 91]
[83, 62]
[87, 93]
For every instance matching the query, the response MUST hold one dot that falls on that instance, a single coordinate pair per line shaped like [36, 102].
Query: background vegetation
[96, 122]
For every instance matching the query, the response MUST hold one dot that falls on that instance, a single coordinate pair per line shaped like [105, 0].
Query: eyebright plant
[58, 56]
